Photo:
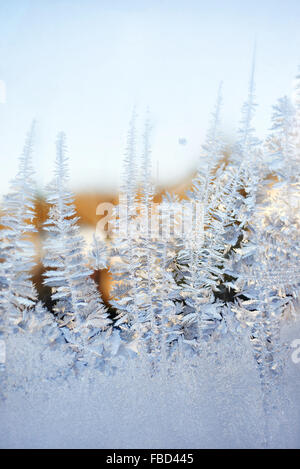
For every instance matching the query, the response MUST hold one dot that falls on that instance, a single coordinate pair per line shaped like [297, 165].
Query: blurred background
[82, 65]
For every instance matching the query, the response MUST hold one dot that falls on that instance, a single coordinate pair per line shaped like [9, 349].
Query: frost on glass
[193, 347]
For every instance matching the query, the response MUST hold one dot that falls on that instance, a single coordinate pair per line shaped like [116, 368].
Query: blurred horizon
[81, 67]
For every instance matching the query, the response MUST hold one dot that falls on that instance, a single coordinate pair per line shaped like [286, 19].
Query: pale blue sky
[81, 65]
